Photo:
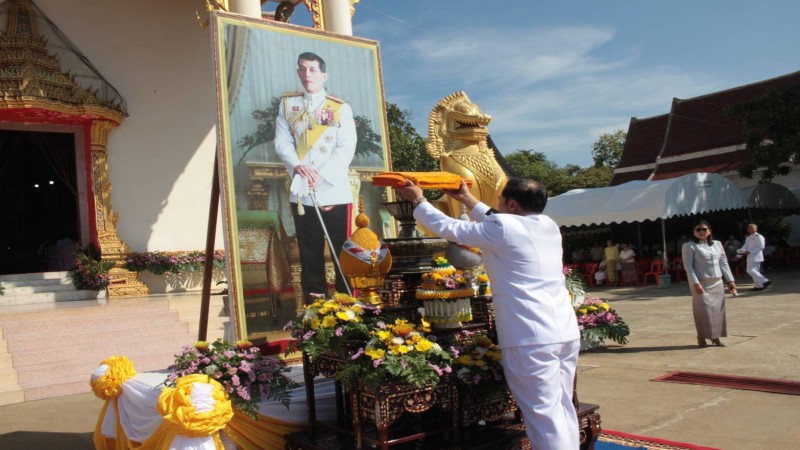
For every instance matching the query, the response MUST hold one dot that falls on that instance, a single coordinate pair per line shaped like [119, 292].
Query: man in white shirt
[754, 249]
[315, 137]
[536, 325]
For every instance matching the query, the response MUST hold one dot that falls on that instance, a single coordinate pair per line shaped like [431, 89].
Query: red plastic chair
[676, 269]
[641, 267]
[656, 269]
[588, 273]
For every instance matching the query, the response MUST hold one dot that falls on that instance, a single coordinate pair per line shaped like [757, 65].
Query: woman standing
[612, 255]
[706, 266]
[628, 259]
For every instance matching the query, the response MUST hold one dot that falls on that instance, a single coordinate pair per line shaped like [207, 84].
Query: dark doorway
[38, 190]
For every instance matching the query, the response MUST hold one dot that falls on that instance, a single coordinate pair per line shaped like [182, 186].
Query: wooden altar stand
[402, 417]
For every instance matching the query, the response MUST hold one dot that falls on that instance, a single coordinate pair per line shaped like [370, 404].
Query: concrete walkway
[764, 332]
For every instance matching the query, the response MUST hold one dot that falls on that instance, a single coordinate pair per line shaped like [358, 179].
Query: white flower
[397, 340]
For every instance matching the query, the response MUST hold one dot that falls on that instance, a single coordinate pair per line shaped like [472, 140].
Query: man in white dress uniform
[536, 325]
[754, 249]
[315, 137]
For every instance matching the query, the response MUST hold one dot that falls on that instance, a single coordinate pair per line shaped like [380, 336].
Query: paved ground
[764, 332]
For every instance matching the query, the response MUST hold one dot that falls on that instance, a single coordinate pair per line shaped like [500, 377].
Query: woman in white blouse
[706, 266]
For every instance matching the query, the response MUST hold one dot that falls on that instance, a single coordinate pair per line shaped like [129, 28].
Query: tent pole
[664, 245]
[639, 238]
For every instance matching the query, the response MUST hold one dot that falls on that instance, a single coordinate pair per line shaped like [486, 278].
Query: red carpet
[631, 440]
[734, 382]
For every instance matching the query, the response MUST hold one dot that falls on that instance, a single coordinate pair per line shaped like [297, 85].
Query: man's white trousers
[541, 380]
[754, 270]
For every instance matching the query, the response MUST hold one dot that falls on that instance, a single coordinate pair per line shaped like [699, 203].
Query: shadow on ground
[28, 440]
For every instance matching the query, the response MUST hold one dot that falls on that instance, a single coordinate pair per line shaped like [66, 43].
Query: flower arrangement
[483, 284]
[328, 325]
[248, 376]
[160, 263]
[91, 271]
[396, 351]
[444, 282]
[477, 363]
[598, 321]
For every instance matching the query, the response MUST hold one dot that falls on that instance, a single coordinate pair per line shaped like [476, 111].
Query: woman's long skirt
[709, 310]
[629, 274]
[611, 269]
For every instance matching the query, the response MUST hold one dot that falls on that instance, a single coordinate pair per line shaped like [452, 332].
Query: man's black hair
[308, 56]
[529, 193]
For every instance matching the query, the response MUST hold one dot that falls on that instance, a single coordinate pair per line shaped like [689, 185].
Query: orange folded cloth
[425, 180]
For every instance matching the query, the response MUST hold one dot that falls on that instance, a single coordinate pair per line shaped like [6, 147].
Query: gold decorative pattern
[34, 83]
[457, 131]
[315, 8]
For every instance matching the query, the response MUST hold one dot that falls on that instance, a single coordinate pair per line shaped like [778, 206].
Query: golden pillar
[123, 282]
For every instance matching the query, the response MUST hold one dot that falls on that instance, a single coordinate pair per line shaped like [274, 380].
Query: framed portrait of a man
[302, 130]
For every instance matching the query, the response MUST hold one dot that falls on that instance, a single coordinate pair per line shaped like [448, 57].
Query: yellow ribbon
[108, 387]
[181, 417]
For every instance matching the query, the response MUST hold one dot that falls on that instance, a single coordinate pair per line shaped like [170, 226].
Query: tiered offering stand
[402, 416]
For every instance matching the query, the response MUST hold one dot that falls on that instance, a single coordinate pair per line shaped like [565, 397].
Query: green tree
[607, 151]
[772, 132]
[530, 163]
[408, 147]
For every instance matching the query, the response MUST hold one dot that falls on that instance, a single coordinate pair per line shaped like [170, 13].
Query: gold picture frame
[256, 65]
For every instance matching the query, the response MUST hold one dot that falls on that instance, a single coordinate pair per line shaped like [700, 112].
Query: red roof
[693, 125]
[645, 137]
[699, 123]
[720, 163]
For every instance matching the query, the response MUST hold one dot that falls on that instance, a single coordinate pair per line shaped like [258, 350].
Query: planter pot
[589, 345]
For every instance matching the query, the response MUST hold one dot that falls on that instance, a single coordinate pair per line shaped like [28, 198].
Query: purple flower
[339, 332]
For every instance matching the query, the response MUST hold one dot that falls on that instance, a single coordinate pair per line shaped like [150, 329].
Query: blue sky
[556, 74]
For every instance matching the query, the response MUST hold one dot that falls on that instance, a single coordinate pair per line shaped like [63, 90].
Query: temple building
[99, 97]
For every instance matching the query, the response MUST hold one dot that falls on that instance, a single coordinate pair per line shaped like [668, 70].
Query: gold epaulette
[292, 94]
[335, 99]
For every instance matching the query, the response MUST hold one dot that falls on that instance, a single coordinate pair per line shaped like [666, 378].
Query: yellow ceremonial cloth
[108, 387]
[181, 417]
[264, 433]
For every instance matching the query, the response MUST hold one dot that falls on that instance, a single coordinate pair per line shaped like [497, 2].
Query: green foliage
[408, 147]
[91, 271]
[772, 132]
[607, 151]
[265, 128]
[775, 229]
[558, 180]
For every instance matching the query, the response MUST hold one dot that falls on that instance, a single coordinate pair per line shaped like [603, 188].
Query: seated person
[600, 275]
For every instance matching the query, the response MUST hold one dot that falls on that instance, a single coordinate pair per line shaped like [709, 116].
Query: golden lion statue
[457, 131]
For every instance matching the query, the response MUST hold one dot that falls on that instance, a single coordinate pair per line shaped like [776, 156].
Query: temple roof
[695, 136]
[39, 63]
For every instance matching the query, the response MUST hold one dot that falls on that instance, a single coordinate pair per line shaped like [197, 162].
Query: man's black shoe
[767, 283]
[757, 289]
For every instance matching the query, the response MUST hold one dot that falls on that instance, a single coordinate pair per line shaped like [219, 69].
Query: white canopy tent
[637, 201]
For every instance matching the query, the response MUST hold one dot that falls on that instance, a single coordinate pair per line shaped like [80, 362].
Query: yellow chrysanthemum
[346, 315]
[314, 323]
[401, 349]
[605, 306]
[401, 328]
[383, 335]
[494, 356]
[423, 345]
[436, 276]
[329, 322]
[480, 363]
[441, 260]
[375, 353]
[483, 278]
[465, 360]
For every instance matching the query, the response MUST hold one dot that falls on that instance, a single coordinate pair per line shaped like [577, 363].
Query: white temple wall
[161, 156]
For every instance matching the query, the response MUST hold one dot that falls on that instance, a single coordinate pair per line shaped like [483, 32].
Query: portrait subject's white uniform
[536, 325]
[318, 131]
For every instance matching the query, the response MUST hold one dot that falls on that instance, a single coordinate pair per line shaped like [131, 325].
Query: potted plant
[91, 272]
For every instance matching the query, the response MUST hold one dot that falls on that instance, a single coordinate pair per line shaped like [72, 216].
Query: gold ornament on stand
[365, 259]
